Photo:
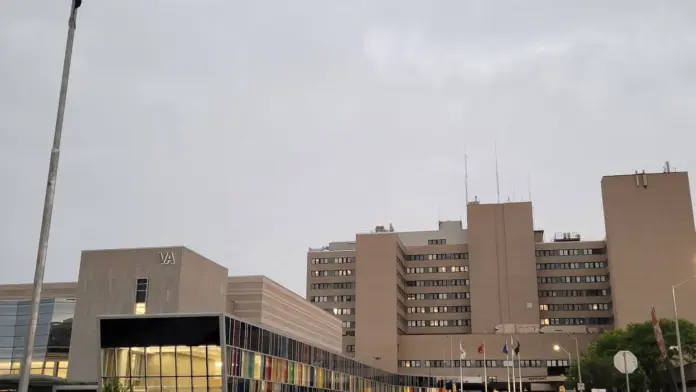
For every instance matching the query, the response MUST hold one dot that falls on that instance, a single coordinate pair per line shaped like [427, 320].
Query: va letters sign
[166, 257]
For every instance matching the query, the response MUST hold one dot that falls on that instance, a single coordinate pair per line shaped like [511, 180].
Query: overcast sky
[250, 130]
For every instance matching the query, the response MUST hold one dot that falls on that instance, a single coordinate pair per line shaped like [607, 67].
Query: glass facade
[163, 353]
[52, 342]
[192, 353]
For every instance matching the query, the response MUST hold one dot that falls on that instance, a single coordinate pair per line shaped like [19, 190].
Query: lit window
[140, 308]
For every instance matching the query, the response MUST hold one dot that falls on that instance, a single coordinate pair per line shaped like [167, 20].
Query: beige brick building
[408, 299]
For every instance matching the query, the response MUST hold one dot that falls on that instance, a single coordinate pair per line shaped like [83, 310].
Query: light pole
[557, 347]
[676, 327]
[577, 353]
[48, 204]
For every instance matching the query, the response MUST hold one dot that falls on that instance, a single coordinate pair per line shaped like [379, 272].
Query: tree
[653, 372]
[114, 385]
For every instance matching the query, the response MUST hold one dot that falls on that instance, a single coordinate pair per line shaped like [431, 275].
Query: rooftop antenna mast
[497, 178]
[466, 177]
[529, 186]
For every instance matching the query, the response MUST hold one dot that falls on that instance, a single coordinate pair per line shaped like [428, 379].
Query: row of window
[439, 323]
[438, 256]
[437, 282]
[333, 286]
[573, 265]
[335, 298]
[569, 252]
[350, 348]
[441, 241]
[439, 309]
[574, 293]
[573, 279]
[469, 363]
[333, 260]
[576, 321]
[348, 324]
[341, 311]
[332, 273]
[431, 296]
[573, 307]
[434, 270]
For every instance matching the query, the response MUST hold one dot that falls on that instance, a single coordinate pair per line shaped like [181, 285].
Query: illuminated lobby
[183, 353]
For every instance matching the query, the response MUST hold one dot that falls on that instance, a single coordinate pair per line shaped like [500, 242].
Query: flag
[657, 330]
[77, 4]
[505, 348]
[462, 352]
[481, 348]
[517, 348]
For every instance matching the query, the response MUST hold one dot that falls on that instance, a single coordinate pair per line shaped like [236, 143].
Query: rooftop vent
[566, 237]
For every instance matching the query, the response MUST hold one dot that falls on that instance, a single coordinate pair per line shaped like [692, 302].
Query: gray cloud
[250, 130]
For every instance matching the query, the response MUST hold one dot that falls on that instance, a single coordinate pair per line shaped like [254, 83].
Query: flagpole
[451, 356]
[462, 355]
[485, 369]
[514, 382]
[444, 361]
[48, 204]
[507, 363]
[519, 362]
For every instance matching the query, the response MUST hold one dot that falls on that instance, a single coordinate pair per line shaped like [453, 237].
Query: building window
[573, 279]
[575, 293]
[434, 270]
[438, 256]
[574, 307]
[334, 260]
[333, 286]
[431, 296]
[437, 242]
[577, 321]
[572, 265]
[569, 252]
[437, 283]
[335, 298]
[439, 309]
[439, 323]
[341, 311]
[140, 295]
[332, 273]
[350, 348]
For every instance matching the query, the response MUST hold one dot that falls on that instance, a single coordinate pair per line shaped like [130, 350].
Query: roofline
[641, 172]
[138, 248]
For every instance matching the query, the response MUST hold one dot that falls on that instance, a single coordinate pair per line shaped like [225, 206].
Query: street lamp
[25, 374]
[557, 347]
[676, 326]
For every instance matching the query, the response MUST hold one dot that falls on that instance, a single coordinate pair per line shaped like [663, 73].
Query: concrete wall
[503, 265]
[264, 302]
[376, 340]
[107, 285]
